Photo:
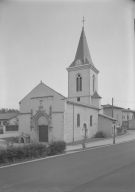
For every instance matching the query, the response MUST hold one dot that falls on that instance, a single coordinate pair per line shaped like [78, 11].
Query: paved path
[119, 139]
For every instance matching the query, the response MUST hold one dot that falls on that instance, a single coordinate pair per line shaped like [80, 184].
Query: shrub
[16, 139]
[56, 147]
[34, 150]
[100, 134]
[12, 154]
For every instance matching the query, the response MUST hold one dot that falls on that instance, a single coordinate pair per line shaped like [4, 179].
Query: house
[5, 117]
[127, 114]
[8, 122]
[128, 118]
[105, 124]
[46, 115]
[116, 113]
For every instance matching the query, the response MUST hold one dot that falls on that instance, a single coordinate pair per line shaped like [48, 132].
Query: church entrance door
[43, 133]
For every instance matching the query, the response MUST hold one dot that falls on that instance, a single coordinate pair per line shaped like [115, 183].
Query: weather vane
[83, 21]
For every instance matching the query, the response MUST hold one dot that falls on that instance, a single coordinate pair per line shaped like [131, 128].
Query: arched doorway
[43, 128]
[85, 131]
[22, 140]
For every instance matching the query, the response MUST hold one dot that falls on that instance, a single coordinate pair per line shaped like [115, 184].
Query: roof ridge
[44, 85]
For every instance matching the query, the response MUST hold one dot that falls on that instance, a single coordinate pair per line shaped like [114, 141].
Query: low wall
[11, 134]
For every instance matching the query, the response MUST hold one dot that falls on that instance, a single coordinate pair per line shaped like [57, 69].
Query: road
[107, 169]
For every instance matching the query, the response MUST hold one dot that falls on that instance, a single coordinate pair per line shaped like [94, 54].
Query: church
[46, 115]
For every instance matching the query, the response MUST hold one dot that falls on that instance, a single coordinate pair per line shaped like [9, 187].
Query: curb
[98, 141]
[99, 146]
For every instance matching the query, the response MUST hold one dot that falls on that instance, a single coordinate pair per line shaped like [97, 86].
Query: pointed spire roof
[82, 52]
[96, 95]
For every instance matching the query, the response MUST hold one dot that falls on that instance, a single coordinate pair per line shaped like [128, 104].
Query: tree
[6, 110]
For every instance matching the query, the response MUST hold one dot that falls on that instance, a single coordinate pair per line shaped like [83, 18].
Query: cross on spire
[83, 21]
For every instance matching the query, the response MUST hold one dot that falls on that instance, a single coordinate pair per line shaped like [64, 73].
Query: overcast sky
[38, 41]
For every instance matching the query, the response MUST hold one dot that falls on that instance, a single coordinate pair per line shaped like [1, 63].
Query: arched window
[93, 83]
[79, 83]
[78, 120]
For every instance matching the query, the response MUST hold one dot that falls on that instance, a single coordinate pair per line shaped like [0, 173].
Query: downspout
[73, 122]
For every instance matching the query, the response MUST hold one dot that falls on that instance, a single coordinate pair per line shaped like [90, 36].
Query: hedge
[13, 154]
[56, 147]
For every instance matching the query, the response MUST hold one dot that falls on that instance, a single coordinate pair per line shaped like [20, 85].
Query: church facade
[47, 116]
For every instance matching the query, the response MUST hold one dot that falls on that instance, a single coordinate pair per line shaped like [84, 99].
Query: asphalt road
[107, 169]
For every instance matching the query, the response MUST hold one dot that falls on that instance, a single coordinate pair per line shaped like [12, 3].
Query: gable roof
[7, 116]
[41, 83]
[83, 52]
[108, 117]
[110, 106]
[96, 95]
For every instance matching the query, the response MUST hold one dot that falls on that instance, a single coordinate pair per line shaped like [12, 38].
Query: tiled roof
[110, 106]
[82, 104]
[96, 95]
[6, 116]
[108, 117]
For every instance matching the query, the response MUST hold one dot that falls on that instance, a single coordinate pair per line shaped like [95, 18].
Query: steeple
[82, 53]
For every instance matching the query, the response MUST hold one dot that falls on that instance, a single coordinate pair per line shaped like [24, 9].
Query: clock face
[78, 62]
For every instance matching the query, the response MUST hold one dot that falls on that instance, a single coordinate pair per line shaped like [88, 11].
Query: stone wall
[71, 131]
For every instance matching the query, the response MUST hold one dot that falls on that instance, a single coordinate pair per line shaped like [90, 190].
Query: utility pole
[113, 125]
[112, 107]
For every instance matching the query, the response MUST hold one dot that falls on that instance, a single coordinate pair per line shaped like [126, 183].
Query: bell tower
[82, 74]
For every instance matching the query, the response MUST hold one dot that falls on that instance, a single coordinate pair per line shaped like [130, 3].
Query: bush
[100, 134]
[56, 147]
[16, 139]
[12, 154]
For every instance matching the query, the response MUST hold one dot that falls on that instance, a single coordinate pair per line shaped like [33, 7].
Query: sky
[39, 39]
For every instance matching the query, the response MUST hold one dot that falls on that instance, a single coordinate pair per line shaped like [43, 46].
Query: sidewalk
[119, 139]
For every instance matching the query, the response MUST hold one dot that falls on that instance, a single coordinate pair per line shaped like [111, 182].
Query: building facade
[46, 115]
[115, 112]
